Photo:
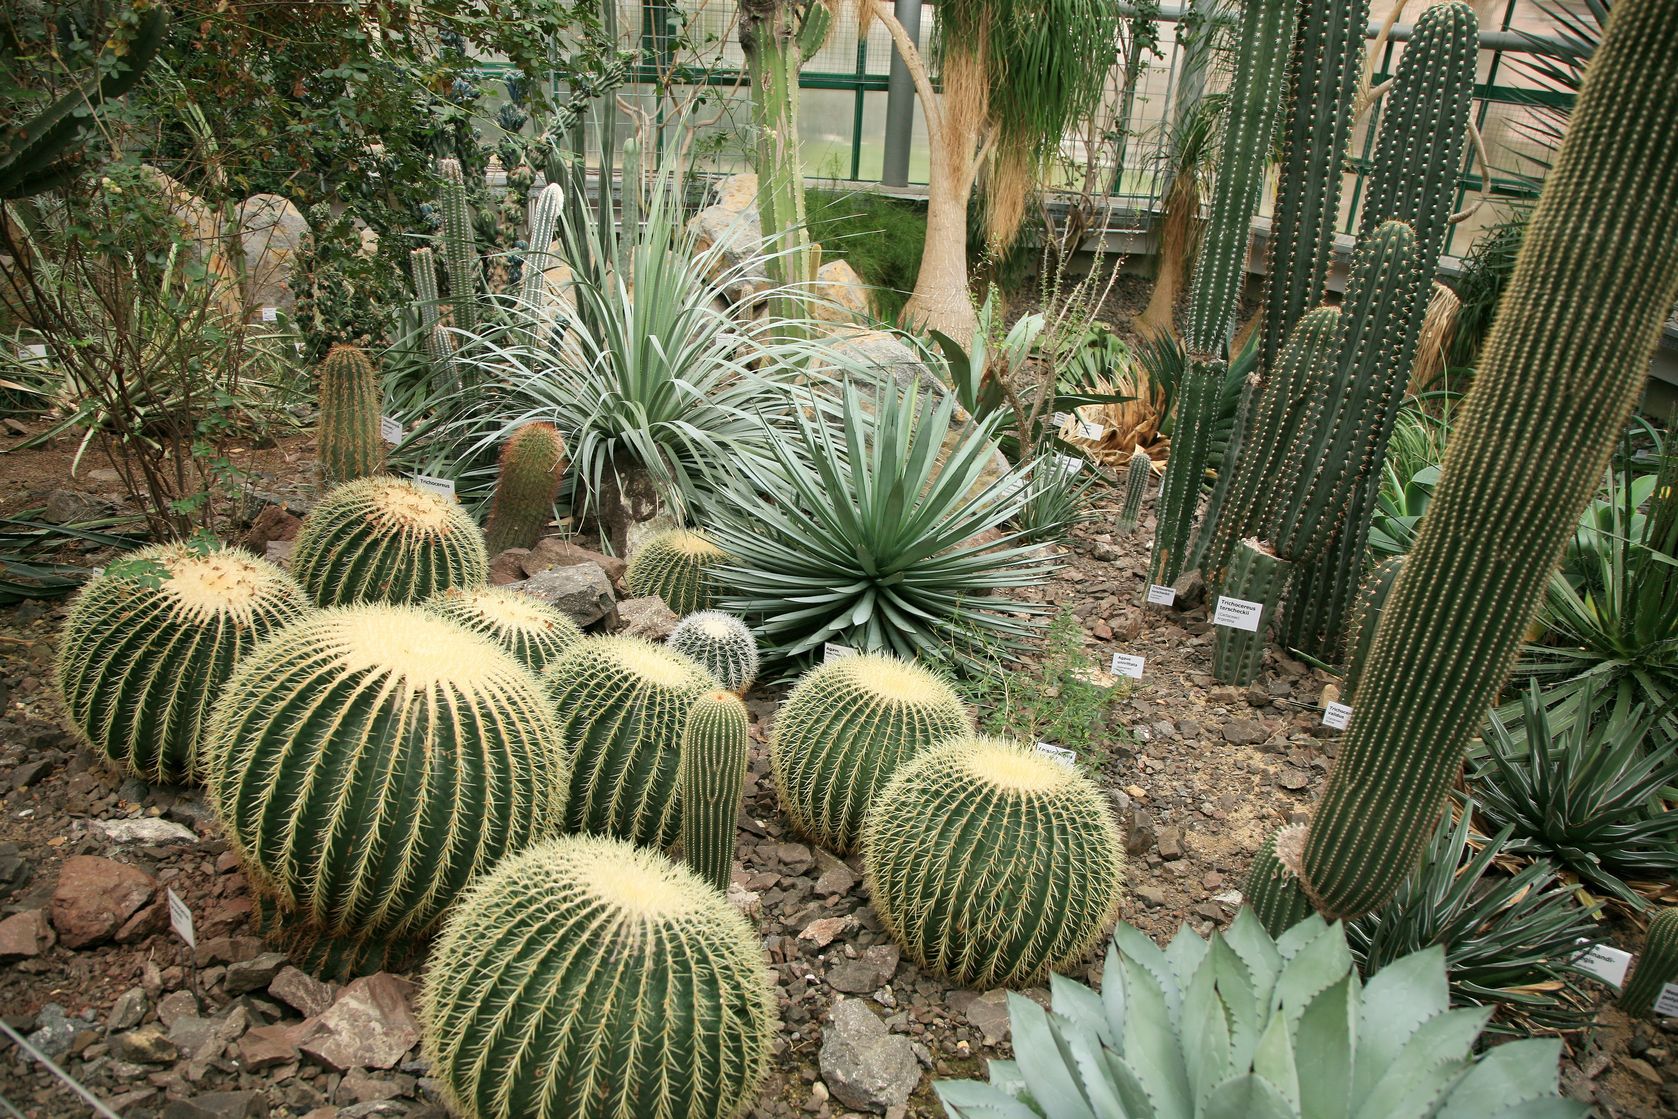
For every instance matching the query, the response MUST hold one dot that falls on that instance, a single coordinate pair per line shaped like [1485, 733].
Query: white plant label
[389, 430]
[1336, 715]
[1606, 962]
[1060, 753]
[1069, 465]
[1059, 420]
[1666, 1005]
[1161, 596]
[430, 483]
[1090, 430]
[34, 351]
[1238, 613]
[270, 314]
[180, 918]
[1127, 664]
[833, 651]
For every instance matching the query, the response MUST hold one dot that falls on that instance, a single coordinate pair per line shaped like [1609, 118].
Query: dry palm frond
[1438, 326]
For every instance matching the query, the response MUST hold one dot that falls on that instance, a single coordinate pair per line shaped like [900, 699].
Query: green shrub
[881, 237]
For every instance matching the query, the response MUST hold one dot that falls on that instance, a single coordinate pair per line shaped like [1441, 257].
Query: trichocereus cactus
[532, 631]
[460, 245]
[1141, 468]
[532, 470]
[677, 566]
[1657, 966]
[722, 644]
[386, 540]
[150, 642]
[1366, 618]
[712, 780]
[1593, 284]
[587, 978]
[991, 862]
[1273, 882]
[845, 728]
[623, 704]
[348, 436]
[366, 763]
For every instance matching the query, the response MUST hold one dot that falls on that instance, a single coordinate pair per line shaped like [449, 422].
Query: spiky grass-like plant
[678, 566]
[368, 761]
[590, 979]
[150, 643]
[386, 540]
[992, 863]
[532, 471]
[712, 779]
[533, 632]
[722, 644]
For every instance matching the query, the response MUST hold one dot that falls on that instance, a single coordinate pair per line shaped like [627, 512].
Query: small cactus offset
[544, 224]
[532, 631]
[1179, 491]
[723, 646]
[590, 979]
[1273, 883]
[350, 443]
[677, 566]
[532, 470]
[1256, 574]
[367, 762]
[1657, 966]
[713, 779]
[1141, 468]
[992, 863]
[460, 245]
[151, 641]
[386, 540]
[1366, 618]
[623, 705]
[845, 728]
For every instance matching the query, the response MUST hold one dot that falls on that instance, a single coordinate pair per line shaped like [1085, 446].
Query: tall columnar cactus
[1657, 966]
[1366, 618]
[422, 262]
[151, 641]
[532, 631]
[460, 245]
[623, 705]
[713, 778]
[544, 225]
[590, 979]
[532, 470]
[1273, 883]
[386, 540]
[366, 763]
[845, 728]
[1595, 280]
[723, 646]
[350, 443]
[992, 863]
[1198, 398]
[677, 566]
[1141, 468]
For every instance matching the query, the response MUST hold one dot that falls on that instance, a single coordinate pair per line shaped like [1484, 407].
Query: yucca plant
[870, 530]
[1247, 1026]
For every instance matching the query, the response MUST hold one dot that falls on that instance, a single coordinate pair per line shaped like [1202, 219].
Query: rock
[271, 231]
[868, 972]
[71, 506]
[278, 553]
[1294, 779]
[29, 774]
[841, 295]
[54, 1031]
[24, 935]
[825, 930]
[267, 1046]
[581, 591]
[219, 1105]
[147, 830]
[1245, 732]
[551, 552]
[1151, 896]
[253, 974]
[646, 617]
[358, 1087]
[794, 858]
[176, 1005]
[302, 992]
[507, 567]
[748, 902]
[369, 1025]
[836, 876]
[147, 1045]
[98, 899]
[733, 229]
[127, 1011]
[1170, 843]
[865, 1065]
[272, 525]
[989, 1015]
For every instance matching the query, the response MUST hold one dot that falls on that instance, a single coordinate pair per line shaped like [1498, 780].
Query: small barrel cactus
[532, 468]
[348, 437]
[590, 979]
[713, 777]
[1135, 489]
[386, 540]
[1273, 882]
[623, 704]
[843, 730]
[1657, 966]
[534, 632]
[366, 763]
[991, 862]
[150, 642]
[722, 644]
[677, 567]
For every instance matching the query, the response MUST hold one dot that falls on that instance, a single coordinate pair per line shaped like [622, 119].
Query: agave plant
[1244, 1026]
[879, 529]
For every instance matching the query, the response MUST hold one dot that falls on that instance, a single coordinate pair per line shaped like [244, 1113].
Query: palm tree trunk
[1177, 239]
[940, 300]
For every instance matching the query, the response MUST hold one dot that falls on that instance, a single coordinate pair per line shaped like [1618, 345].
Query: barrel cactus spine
[532, 470]
[151, 641]
[1657, 966]
[386, 540]
[845, 727]
[460, 245]
[534, 633]
[678, 567]
[1273, 882]
[1366, 618]
[366, 763]
[722, 644]
[992, 863]
[1135, 489]
[713, 779]
[668, 1010]
[351, 445]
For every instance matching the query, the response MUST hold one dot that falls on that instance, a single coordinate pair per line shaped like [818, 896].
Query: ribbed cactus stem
[348, 437]
[460, 246]
[713, 775]
[631, 192]
[1135, 489]
[1198, 398]
[532, 470]
[677, 566]
[1565, 362]
[544, 225]
[1366, 618]
[422, 262]
[722, 644]
[1256, 574]
[384, 539]
[1657, 966]
[1273, 883]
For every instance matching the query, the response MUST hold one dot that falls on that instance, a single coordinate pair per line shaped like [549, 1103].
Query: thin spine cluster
[679, 567]
[534, 633]
[348, 436]
[386, 540]
[713, 779]
[532, 471]
[1366, 618]
[722, 644]
[460, 245]
[1657, 966]
[1137, 473]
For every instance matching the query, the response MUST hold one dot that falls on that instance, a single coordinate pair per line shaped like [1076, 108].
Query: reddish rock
[507, 567]
[302, 992]
[266, 1046]
[99, 899]
[272, 525]
[24, 935]
[554, 552]
[369, 1026]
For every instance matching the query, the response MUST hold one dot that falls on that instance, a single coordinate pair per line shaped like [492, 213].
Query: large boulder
[842, 296]
[272, 231]
[100, 899]
[733, 228]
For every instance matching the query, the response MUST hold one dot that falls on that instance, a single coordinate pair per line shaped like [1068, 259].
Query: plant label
[34, 351]
[1336, 715]
[1606, 962]
[1069, 464]
[1127, 664]
[180, 918]
[1060, 753]
[833, 651]
[1090, 430]
[1059, 420]
[1161, 596]
[270, 314]
[1238, 613]
[430, 483]
[1666, 1005]
[389, 430]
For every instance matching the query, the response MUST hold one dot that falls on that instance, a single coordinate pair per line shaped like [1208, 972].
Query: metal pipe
[900, 100]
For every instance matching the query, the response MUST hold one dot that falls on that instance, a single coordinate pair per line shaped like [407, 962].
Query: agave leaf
[1318, 965]
[1291, 941]
[1248, 940]
[1245, 1097]
[1273, 1061]
[974, 1099]
[1512, 1073]
[1246, 1013]
[1151, 1045]
[1082, 1050]
[1419, 1074]
[1553, 1108]
[1205, 1029]
[1112, 994]
[1397, 1000]
[1327, 1033]
[1077, 1003]
[1042, 1063]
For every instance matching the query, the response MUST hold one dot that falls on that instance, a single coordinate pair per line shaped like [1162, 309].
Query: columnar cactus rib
[723, 646]
[992, 863]
[349, 439]
[544, 224]
[1136, 489]
[1594, 282]
[386, 540]
[1366, 618]
[150, 643]
[590, 979]
[713, 779]
[1256, 574]
[532, 631]
[532, 471]
[460, 246]
[1179, 491]
[677, 566]
[423, 264]
[1273, 883]
[367, 762]
[845, 729]
[1657, 966]
[623, 705]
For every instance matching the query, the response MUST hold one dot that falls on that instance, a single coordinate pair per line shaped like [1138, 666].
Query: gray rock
[127, 1011]
[868, 972]
[1245, 732]
[148, 829]
[300, 991]
[54, 1031]
[581, 591]
[219, 1105]
[176, 1004]
[989, 1015]
[271, 231]
[369, 1026]
[865, 1065]
[69, 506]
[253, 974]
[646, 617]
